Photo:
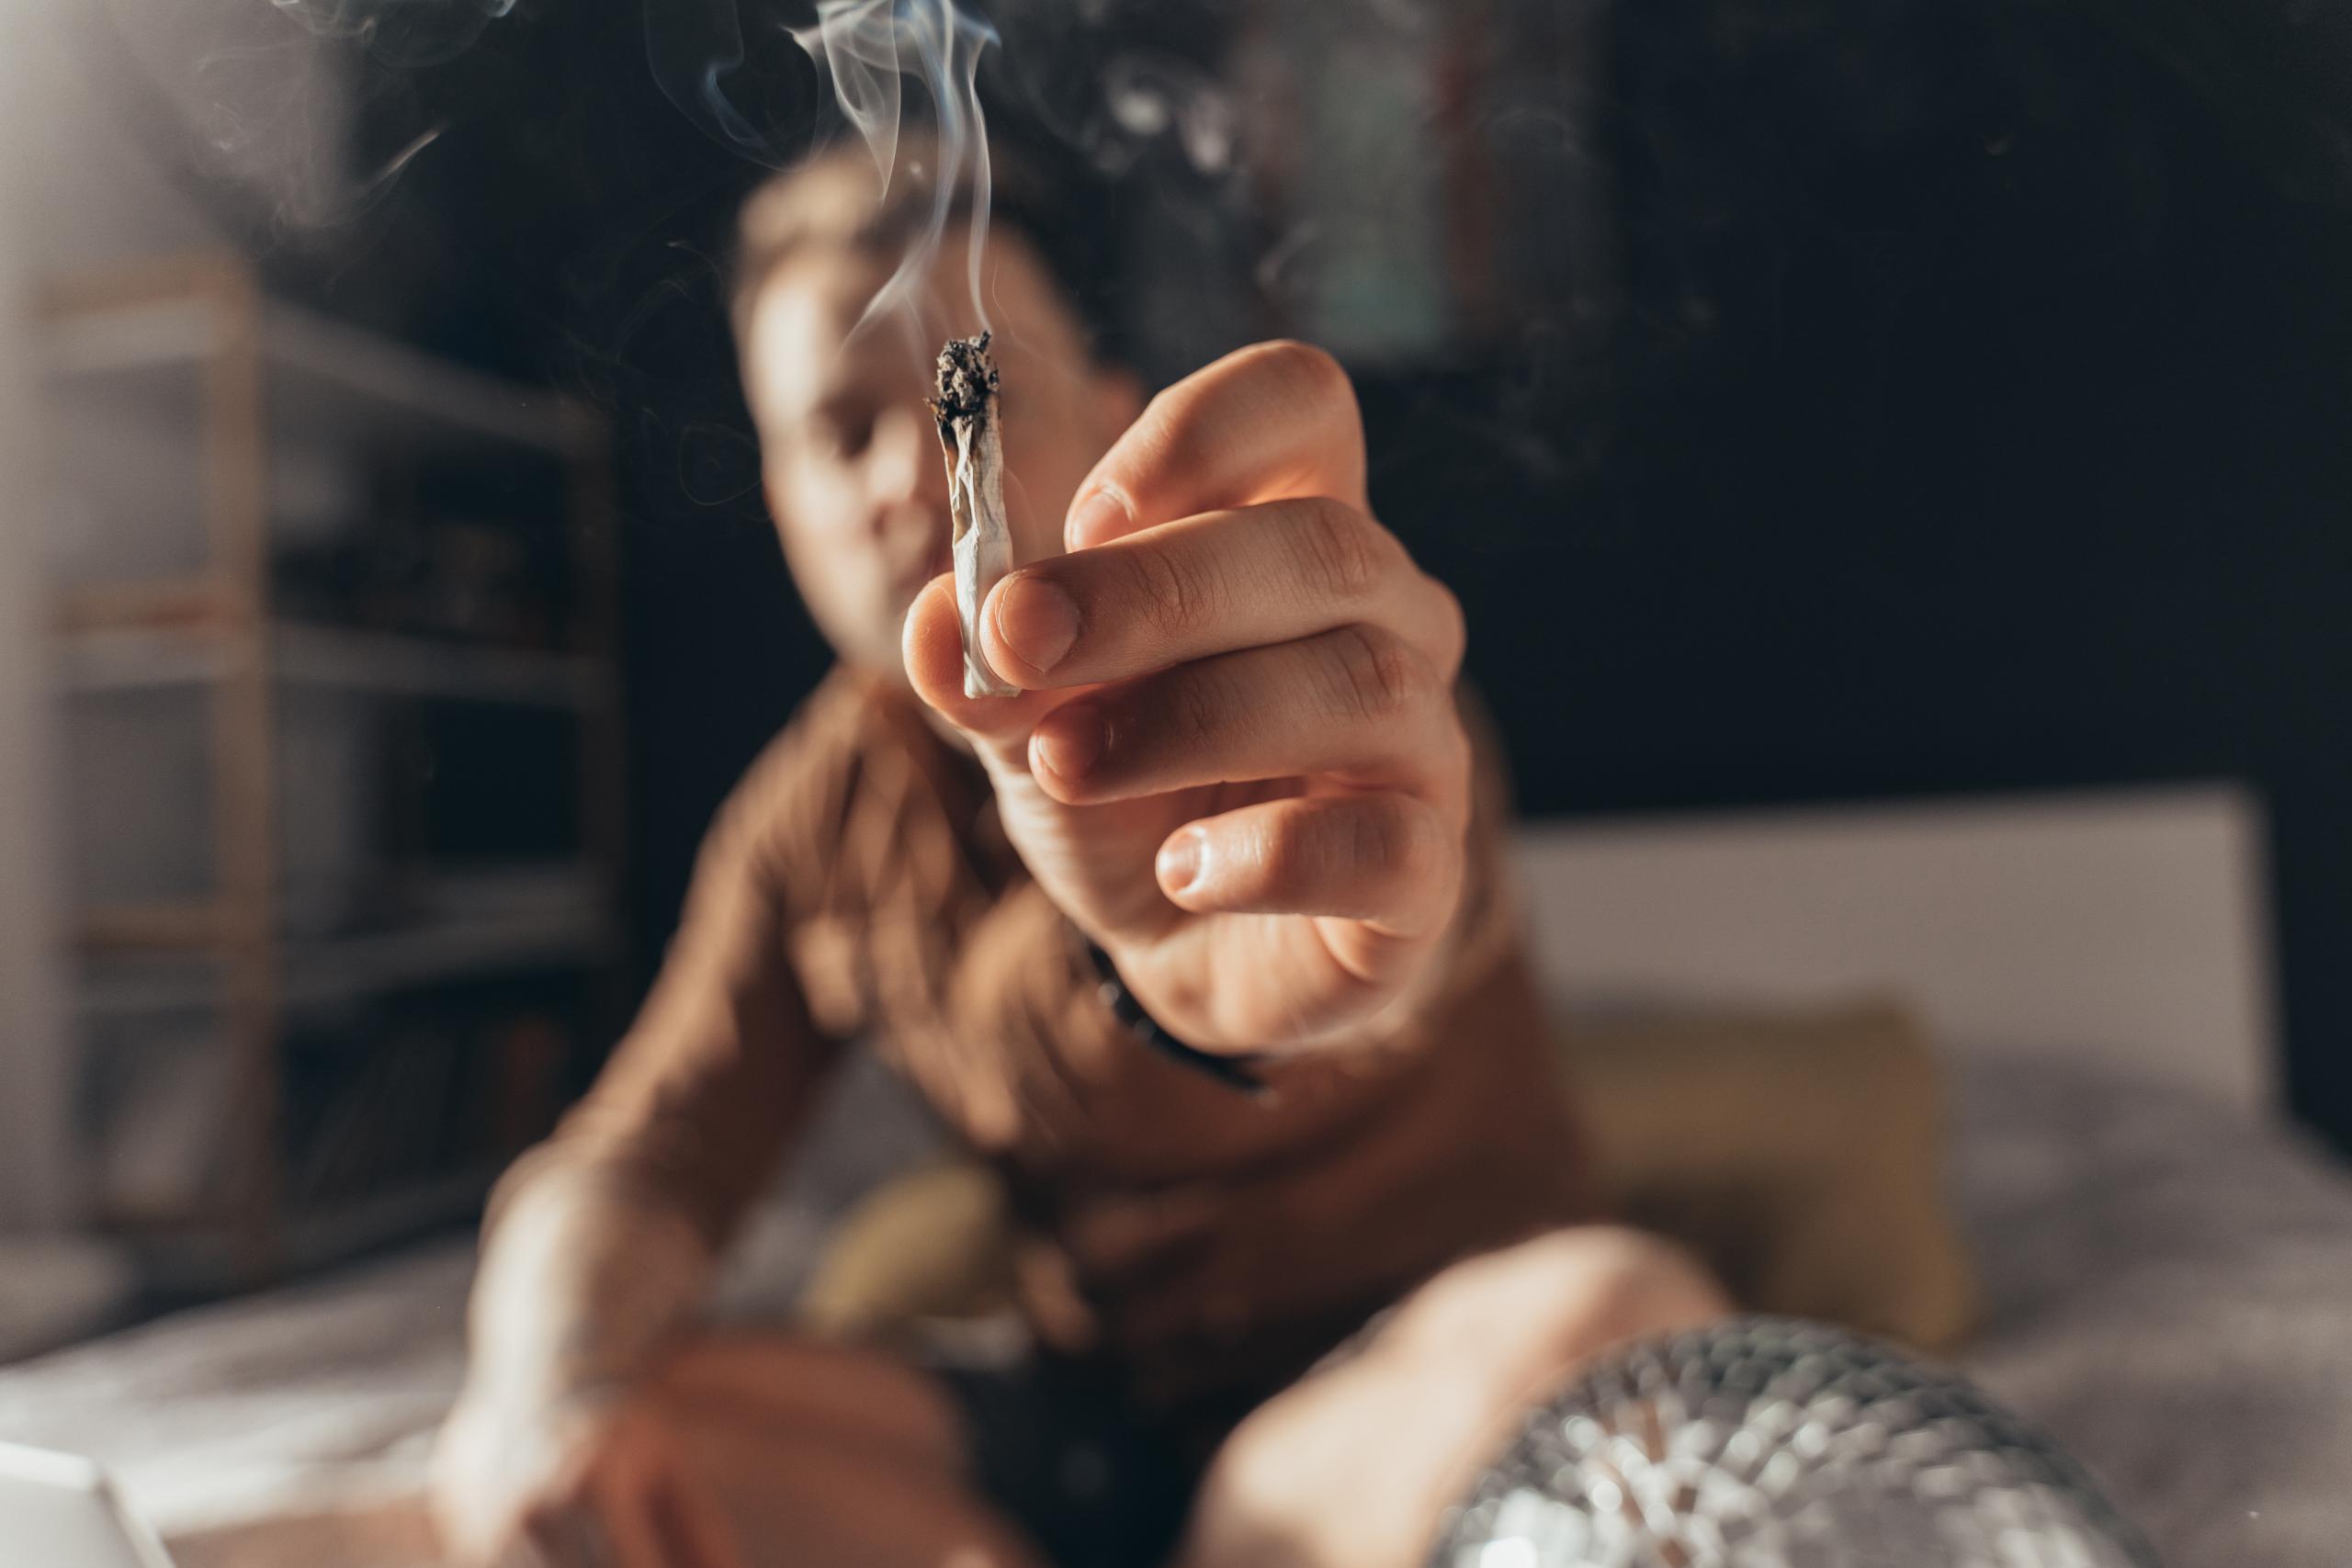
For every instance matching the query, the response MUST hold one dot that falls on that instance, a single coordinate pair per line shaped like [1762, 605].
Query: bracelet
[1231, 1071]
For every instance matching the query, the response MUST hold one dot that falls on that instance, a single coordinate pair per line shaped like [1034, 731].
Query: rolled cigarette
[979, 535]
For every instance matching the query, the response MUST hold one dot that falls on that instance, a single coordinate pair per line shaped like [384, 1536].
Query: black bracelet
[1231, 1071]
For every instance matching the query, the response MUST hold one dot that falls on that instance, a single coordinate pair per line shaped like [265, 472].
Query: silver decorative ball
[1774, 1443]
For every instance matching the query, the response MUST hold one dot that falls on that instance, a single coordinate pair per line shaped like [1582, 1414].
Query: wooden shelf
[192, 346]
[331, 970]
[196, 1251]
[350, 968]
[328, 382]
[319, 1235]
[155, 927]
[138, 657]
[400, 666]
[168, 603]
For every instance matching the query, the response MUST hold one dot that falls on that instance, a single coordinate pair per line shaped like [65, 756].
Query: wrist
[581, 1288]
[1237, 1072]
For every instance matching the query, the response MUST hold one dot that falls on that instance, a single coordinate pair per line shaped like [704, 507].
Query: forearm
[584, 1280]
[599, 1242]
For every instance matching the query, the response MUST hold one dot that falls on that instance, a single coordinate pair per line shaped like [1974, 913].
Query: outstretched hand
[1236, 762]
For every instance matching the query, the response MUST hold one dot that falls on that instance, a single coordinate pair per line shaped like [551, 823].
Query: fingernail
[1179, 862]
[1100, 515]
[1037, 620]
[1073, 740]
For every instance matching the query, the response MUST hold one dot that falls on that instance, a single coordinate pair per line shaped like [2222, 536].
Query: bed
[2166, 1270]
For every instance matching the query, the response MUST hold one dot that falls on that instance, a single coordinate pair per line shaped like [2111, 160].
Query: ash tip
[967, 379]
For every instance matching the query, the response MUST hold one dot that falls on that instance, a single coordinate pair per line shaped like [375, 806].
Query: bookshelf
[312, 575]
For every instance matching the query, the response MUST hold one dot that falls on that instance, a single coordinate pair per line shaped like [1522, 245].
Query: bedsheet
[2168, 1288]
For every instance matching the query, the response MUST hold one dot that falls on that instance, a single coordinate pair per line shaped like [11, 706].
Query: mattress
[2168, 1288]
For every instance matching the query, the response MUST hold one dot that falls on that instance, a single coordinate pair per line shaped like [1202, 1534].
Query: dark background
[1965, 405]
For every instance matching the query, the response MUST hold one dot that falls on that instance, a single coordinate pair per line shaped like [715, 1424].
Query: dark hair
[1060, 206]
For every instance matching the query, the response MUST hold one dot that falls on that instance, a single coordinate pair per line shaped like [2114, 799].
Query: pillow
[934, 1244]
[1800, 1152]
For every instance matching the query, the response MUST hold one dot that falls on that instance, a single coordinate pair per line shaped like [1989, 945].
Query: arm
[599, 1242]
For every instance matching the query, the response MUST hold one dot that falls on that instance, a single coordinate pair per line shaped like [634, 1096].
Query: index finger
[1267, 423]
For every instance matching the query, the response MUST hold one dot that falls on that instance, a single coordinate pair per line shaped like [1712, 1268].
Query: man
[1303, 1217]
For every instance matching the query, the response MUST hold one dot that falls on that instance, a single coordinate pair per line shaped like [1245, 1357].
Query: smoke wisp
[401, 32]
[869, 47]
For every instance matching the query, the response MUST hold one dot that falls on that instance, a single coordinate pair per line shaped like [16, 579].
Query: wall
[32, 1189]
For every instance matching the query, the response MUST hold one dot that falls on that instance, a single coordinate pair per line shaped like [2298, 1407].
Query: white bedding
[2167, 1290]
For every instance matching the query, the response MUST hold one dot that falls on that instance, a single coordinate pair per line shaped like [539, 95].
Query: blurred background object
[333, 675]
[320, 633]
[1767, 1443]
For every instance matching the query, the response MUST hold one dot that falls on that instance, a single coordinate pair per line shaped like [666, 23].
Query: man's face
[854, 475]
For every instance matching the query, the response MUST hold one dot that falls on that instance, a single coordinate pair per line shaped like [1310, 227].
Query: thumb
[933, 650]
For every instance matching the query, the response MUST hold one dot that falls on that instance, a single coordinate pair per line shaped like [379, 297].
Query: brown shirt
[1205, 1243]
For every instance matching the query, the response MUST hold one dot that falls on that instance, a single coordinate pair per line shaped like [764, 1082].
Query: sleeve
[697, 1104]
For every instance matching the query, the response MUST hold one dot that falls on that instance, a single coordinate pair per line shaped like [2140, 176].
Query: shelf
[321, 1235]
[261, 428]
[327, 381]
[197, 1250]
[324, 971]
[162, 604]
[417, 667]
[143, 657]
[349, 968]
[155, 927]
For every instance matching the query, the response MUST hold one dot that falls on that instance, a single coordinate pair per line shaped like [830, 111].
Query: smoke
[276, 119]
[869, 47]
[713, 60]
[1151, 97]
[408, 33]
[691, 51]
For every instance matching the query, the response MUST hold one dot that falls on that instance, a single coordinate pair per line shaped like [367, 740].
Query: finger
[559, 1535]
[1269, 420]
[559, 1524]
[692, 1521]
[932, 647]
[1358, 701]
[625, 1509]
[1383, 858]
[1210, 584]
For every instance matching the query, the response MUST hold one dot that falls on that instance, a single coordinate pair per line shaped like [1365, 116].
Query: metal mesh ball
[1773, 1443]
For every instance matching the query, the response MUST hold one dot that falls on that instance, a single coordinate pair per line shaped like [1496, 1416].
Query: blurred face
[856, 478]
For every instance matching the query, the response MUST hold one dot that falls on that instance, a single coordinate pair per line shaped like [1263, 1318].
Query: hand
[575, 1484]
[1236, 762]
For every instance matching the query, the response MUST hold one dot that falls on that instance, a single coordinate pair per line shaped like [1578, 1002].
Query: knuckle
[1287, 861]
[1457, 745]
[1307, 373]
[1458, 763]
[1378, 676]
[1450, 626]
[1342, 548]
[1366, 839]
[538, 1517]
[1173, 598]
[1196, 709]
[1604, 1276]
[1406, 842]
